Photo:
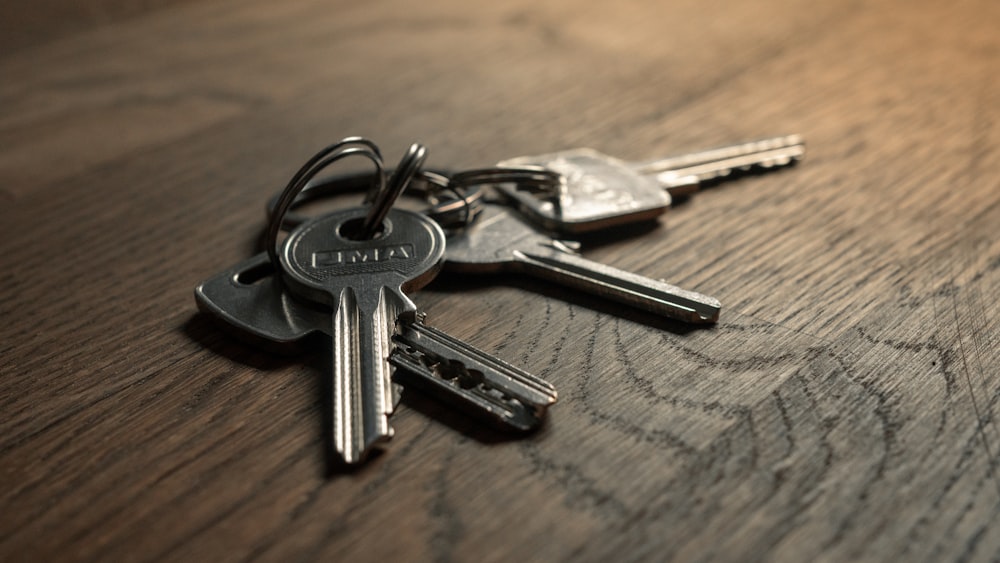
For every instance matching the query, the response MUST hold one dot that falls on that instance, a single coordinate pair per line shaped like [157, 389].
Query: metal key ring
[535, 178]
[399, 180]
[329, 155]
[458, 209]
[502, 174]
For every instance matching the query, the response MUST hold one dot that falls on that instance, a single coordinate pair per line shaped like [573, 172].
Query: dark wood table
[843, 409]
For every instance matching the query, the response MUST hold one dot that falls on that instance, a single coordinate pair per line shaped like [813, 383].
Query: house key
[601, 191]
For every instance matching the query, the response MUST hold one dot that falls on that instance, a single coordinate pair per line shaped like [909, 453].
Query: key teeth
[471, 379]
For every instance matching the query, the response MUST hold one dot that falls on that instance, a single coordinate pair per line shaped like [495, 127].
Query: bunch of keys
[347, 275]
[358, 265]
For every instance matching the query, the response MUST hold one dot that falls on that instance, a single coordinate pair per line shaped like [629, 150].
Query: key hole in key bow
[255, 274]
[351, 229]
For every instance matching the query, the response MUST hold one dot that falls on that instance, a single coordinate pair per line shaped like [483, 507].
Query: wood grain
[844, 409]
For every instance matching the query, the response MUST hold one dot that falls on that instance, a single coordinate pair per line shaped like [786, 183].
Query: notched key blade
[685, 180]
[470, 379]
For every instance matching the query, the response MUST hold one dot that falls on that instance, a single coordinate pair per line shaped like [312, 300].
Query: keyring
[536, 179]
[337, 151]
[456, 211]
[459, 208]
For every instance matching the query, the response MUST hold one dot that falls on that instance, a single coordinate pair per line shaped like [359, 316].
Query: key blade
[719, 153]
[683, 174]
[618, 285]
[503, 241]
[686, 180]
[470, 379]
[362, 385]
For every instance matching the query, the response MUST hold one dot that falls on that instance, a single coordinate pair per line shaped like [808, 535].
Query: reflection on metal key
[601, 191]
[501, 240]
[363, 283]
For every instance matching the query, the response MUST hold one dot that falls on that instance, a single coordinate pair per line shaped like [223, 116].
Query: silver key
[469, 379]
[502, 240]
[363, 282]
[601, 191]
[250, 300]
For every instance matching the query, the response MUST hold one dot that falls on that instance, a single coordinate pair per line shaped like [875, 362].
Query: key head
[322, 256]
[251, 300]
[491, 242]
[600, 192]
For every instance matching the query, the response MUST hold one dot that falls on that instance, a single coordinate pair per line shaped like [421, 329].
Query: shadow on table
[315, 352]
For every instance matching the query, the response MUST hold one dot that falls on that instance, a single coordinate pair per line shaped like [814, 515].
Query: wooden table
[844, 407]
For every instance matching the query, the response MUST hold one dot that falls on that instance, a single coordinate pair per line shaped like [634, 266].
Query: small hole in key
[351, 229]
[255, 274]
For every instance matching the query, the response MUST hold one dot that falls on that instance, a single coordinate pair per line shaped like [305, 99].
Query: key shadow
[613, 234]
[314, 352]
[455, 282]
[461, 422]
[239, 347]
[265, 355]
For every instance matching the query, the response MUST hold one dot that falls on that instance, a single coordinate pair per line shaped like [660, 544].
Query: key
[364, 283]
[453, 198]
[357, 264]
[601, 191]
[249, 300]
[501, 240]
[469, 379]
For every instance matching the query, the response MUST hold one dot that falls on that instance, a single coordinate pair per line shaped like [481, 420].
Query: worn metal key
[363, 281]
[601, 191]
[502, 240]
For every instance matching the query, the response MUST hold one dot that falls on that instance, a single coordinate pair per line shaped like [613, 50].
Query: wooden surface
[843, 409]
